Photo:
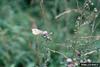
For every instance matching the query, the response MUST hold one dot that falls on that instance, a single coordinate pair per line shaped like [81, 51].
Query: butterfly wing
[37, 31]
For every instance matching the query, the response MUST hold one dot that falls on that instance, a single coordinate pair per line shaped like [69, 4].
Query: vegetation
[74, 24]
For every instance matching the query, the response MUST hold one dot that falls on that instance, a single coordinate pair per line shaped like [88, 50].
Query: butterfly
[37, 31]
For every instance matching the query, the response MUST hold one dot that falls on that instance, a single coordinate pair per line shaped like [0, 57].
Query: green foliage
[78, 29]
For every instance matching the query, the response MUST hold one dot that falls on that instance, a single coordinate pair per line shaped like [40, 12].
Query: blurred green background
[77, 30]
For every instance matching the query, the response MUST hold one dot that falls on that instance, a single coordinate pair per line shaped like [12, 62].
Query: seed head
[69, 60]
[95, 10]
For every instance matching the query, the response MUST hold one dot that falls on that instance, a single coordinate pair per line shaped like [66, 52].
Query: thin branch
[57, 52]
[91, 52]
[87, 37]
[66, 12]
[77, 4]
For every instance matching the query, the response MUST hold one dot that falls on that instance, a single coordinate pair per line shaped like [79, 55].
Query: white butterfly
[37, 31]
[45, 34]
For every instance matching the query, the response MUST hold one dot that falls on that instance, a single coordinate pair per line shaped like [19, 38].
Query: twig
[89, 52]
[44, 14]
[77, 4]
[93, 51]
[66, 12]
[86, 37]
[57, 52]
